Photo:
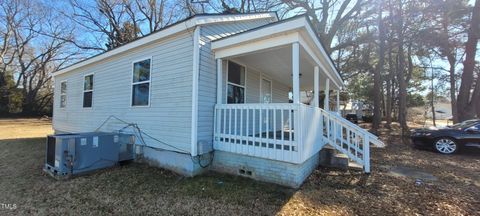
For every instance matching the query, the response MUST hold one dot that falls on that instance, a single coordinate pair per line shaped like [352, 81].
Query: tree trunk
[377, 76]
[466, 103]
[389, 83]
[450, 54]
[432, 99]
[453, 96]
[402, 85]
[3, 94]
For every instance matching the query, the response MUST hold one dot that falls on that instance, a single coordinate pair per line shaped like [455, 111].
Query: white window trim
[149, 81]
[83, 91]
[265, 77]
[62, 94]
[234, 84]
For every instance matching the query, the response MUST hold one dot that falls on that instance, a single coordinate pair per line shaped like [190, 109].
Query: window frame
[63, 94]
[83, 91]
[234, 84]
[149, 81]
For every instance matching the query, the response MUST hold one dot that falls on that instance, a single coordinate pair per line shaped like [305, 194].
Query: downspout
[195, 75]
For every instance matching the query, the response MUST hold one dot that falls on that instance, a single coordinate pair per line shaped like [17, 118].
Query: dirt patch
[140, 189]
[415, 173]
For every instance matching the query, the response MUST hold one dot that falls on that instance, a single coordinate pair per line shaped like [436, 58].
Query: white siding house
[216, 83]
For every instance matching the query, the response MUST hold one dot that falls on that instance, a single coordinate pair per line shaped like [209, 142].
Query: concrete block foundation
[283, 173]
[180, 163]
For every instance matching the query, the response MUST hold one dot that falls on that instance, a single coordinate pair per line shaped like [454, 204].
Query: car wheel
[446, 146]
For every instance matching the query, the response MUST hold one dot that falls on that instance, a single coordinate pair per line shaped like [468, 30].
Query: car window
[464, 124]
[476, 127]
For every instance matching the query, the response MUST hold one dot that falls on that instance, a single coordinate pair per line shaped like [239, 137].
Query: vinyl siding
[279, 90]
[168, 118]
[207, 77]
[252, 91]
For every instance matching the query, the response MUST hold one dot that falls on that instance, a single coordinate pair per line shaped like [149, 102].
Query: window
[235, 83]
[475, 127]
[141, 83]
[88, 91]
[63, 94]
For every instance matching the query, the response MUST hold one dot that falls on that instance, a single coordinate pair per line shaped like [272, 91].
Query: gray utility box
[72, 154]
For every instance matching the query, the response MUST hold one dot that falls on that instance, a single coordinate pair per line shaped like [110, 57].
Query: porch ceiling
[276, 63]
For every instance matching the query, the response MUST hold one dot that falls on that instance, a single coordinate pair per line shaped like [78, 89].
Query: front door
[266, 91]
[266, 97]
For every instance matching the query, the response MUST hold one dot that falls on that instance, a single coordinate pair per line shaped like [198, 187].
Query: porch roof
[276, 36]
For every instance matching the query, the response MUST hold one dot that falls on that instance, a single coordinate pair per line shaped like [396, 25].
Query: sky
[91, 37]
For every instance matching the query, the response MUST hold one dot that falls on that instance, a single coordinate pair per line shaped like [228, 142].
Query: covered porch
[268, 96]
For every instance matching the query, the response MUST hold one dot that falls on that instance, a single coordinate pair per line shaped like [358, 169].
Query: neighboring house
[216, 83]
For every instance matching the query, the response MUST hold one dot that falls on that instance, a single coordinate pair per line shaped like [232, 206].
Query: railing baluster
[274, 128]
[290, 127]
[335, 127]
[235, 130]
[341, 134]
[267, 125]
[349, 134]
[247, 131]
[254, 114]
[366, 154]
[328, 129]
[241, 130]
[259, 134]
[282, 131]
[230, 122]
[224, 111]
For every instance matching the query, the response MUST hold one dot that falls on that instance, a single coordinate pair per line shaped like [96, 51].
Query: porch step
[340, 161]
[329, 157]
[354, 166]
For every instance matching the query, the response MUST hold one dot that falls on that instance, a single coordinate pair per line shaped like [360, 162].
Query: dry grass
[24, 128]
[136, 188]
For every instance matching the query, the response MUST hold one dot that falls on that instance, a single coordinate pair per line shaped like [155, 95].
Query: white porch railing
[260, 130]
[349, 138]
[288, 132]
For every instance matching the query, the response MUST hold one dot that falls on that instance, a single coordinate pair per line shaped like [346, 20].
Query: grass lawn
[139, 189]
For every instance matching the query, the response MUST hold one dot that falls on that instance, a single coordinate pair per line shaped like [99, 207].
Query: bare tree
[31, 51]
[10, 18]
[157, 13]
[109, 18]
[121, 21]
[328, 16]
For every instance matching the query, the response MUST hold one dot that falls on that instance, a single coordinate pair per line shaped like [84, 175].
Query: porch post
[219, 80]
[316, 95]
[338, 102]
[326, 101]
[296, 72]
